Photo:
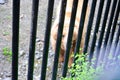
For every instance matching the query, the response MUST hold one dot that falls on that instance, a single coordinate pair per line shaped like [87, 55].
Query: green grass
[5, 33]
[7, 52]
[82, 71]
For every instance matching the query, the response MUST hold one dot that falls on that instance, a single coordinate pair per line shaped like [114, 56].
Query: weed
[5, 33]
[81, 70]
[7, 52]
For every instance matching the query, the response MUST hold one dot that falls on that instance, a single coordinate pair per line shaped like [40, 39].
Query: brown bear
[66, 29]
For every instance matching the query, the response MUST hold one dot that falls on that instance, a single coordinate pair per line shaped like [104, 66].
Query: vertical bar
[113, 48]
[117, 52]
[15, 38]
[70, 34]
[32, 39]
[114, 43]
[112, 33]
[84, 8]
[46, 39]
[90, 22]
[59, 37]
[102, 52]
[97, 49]
[96, 29]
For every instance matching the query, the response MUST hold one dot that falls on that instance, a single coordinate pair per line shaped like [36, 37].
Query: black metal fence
[101, 38]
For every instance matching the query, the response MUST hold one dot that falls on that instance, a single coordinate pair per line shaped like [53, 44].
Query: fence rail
[99, 42]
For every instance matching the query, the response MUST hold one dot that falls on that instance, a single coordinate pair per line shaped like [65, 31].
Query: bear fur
[66, 29]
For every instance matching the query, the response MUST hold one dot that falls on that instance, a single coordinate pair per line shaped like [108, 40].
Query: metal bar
[32, 39]
[102, 52]
[70, 34]
[84, 8]
[59, 37]
[15, 38]
[118, 47]
[117, 52]
[46, 39]
[114, 43]
[112, 33]
[96, 29]
[113, 49]
[100, 39]
[87, 37]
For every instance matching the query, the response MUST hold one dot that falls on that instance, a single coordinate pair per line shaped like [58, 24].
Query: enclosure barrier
[15, 39]
[99, 46]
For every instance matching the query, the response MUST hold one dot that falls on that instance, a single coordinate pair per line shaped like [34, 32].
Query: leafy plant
[81, 70]
[5, 33]
[7, 52]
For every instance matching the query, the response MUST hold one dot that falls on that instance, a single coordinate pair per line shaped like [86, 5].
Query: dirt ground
[25, 28]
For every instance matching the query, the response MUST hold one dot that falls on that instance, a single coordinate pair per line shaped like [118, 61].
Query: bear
[55, 26]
